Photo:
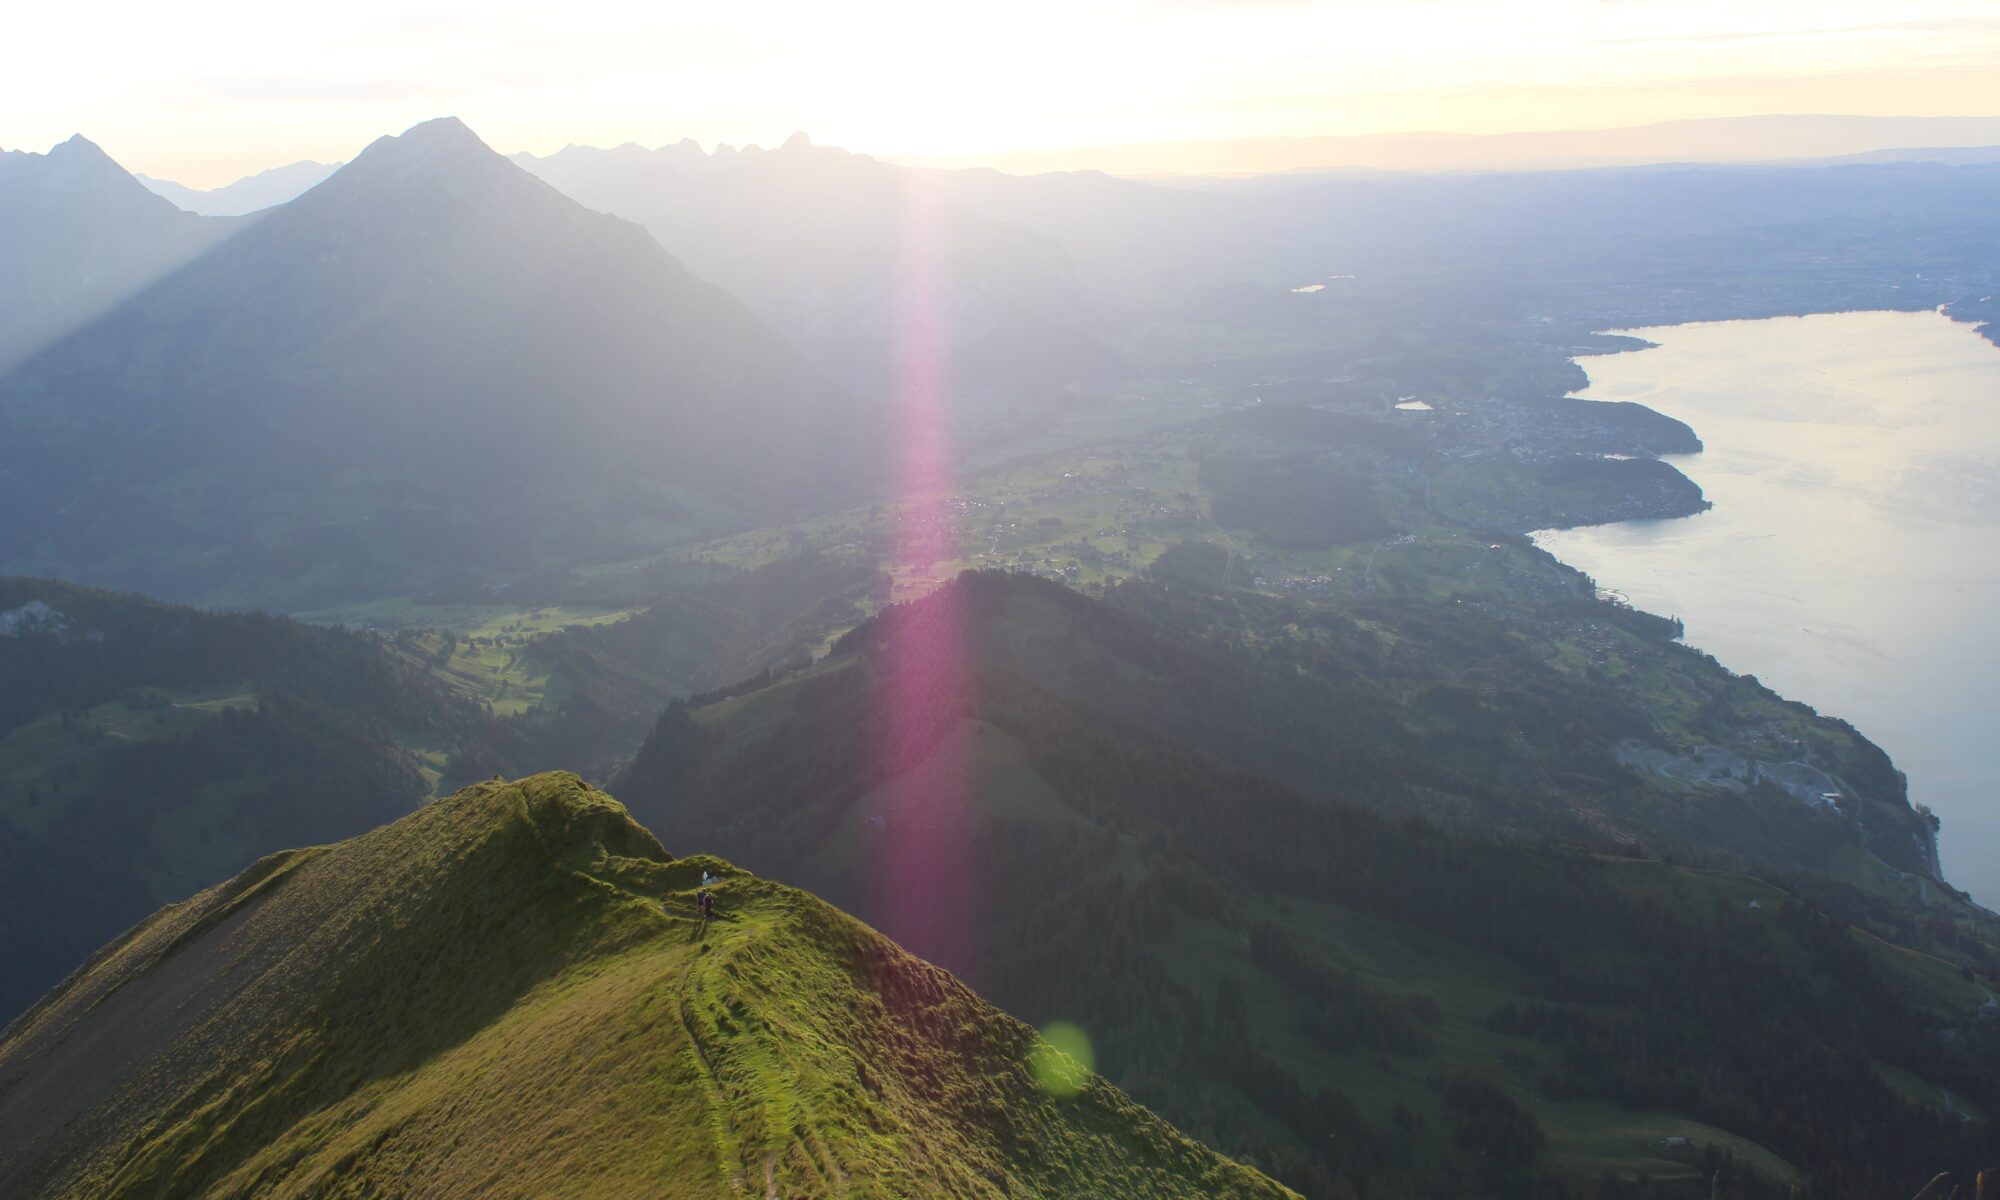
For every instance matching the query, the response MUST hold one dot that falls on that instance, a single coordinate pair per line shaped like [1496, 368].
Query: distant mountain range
[247, 195]
[1801, 138]
[1163, 277]
[823, 245]
[1052, 278]
[833, 248]
[1769, 138]
[435, 372]
[509, 993]
[432, 366]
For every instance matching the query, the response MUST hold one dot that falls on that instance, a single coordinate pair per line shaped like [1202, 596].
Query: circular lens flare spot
[1062, 1059]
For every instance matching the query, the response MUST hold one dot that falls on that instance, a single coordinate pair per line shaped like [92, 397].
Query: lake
[1852, 559]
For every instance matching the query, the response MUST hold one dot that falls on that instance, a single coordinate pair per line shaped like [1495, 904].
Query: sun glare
[210, 95]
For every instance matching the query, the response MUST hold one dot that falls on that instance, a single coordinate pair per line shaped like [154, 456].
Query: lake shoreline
[1817, 453]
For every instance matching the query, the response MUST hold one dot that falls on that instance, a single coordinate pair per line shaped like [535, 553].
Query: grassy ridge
[506, 993]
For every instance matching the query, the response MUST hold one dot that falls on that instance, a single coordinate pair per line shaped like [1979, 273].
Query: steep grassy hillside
[507, 993]
[148, 750]
[1348, 998]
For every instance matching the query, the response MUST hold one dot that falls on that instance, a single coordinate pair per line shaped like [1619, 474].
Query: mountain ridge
[352, 1016]
[1750, 138]
[266, 188]
[833, 247]
[1274, 960]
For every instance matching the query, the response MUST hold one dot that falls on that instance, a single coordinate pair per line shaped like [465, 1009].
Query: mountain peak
[77, 144]
[443, 140]
[441, 131]
[440, 156]
[79, 156]
[515, 983]
[75, 167]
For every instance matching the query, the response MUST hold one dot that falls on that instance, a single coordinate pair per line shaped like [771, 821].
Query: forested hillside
[149, 750]
[603, 685]
[1323, 979]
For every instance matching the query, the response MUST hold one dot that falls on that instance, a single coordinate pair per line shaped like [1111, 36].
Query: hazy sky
[209, 90]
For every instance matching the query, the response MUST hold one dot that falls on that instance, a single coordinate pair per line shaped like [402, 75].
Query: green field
[472, 620]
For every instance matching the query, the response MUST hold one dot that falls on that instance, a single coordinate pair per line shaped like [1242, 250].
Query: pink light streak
[923, 878]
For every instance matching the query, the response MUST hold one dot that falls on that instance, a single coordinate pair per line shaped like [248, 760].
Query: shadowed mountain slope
[430, 368]
[1413, 707]
[78, 235]
[1163, 840]
[147, 750]
[507, 994]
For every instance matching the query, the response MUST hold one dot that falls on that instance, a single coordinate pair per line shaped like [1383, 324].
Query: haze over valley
[1178, 635]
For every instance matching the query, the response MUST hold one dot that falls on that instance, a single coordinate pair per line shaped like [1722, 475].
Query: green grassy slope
[507, 994]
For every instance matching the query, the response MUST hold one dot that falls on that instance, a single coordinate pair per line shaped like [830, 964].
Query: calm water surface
[1852, 559]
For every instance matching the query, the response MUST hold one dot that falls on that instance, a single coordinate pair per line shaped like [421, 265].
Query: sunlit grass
[508, 994]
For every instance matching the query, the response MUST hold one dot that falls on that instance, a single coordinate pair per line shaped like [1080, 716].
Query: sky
[209, 90]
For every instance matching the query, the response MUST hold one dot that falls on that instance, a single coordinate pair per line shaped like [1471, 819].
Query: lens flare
[1062, 1059]
[923, 873]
